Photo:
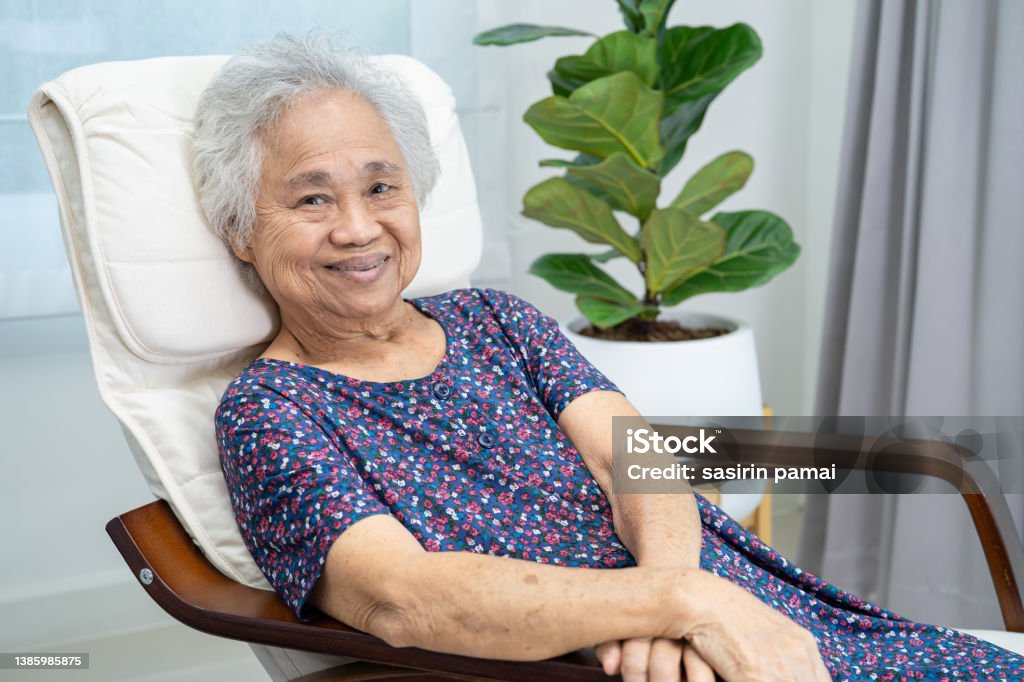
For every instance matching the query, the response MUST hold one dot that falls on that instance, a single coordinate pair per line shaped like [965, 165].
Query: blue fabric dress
[470, 458]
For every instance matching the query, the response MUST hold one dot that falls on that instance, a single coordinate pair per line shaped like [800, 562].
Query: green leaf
[628, 186]
[523, 33]
[698, 61]
[562, 85]
[655, 13]
[603, 313]
[714, 182]
[615, 52]
[677, 244]
[681, 120]
[590, 188]
[696, 64]
[645, 16]
[612, 114]
[573, 272]
[631, 15]
[759, 246]
[554, 163]
[559, 203]
[605, 256]
[580, 160]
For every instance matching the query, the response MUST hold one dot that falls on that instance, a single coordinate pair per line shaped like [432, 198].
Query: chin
[372, 303]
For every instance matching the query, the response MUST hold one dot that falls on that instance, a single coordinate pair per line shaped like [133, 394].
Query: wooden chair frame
[179, 578]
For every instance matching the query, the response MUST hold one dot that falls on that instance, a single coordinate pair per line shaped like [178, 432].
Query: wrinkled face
[337, 227]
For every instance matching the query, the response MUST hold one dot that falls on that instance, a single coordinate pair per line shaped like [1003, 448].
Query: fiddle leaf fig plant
[628, 106]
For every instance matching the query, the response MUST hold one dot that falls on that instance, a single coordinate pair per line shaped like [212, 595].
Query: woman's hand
[741, 637]
[653, 660]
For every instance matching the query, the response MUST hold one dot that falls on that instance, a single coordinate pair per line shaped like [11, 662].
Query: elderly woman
[436, 471]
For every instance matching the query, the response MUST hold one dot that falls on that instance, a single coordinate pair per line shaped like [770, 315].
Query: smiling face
[337, 233]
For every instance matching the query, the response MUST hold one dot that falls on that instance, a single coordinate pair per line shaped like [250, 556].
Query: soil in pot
[651, 330]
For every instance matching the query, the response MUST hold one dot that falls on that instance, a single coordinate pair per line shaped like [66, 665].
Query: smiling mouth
[360, 266]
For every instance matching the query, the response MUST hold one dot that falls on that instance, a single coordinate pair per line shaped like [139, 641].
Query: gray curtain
[926, 295]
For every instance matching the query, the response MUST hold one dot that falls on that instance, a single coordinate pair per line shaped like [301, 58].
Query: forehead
[329, 122]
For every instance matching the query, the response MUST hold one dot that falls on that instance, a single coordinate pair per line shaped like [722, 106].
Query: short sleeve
[293, 492]
[559, 371]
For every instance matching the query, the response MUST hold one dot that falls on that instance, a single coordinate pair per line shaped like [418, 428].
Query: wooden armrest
[978, 487]
[191, 590]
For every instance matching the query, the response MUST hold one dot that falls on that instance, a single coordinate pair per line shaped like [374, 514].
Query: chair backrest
[169, 319]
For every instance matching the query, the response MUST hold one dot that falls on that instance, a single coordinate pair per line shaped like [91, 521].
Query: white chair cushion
[169, 319]
[1011, 641]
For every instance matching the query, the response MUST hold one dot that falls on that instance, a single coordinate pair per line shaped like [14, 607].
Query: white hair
[252, 91]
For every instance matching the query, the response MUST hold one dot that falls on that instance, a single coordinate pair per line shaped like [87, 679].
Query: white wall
[477, 77]
[66, 472]
[786, 111]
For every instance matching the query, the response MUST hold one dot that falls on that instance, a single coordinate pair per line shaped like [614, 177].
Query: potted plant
[627, 106]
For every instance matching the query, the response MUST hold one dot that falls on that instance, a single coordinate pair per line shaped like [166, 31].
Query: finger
[697, 669]
[610, 656]
[636, 654]
[665, 661]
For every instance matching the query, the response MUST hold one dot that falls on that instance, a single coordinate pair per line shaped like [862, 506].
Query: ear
[244, 252]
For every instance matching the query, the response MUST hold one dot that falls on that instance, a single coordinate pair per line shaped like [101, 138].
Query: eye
[379, 188]
[314, 200]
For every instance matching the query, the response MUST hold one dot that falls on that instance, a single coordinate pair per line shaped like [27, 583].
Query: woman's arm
[661, 529]
[658, 529]
[377, 578]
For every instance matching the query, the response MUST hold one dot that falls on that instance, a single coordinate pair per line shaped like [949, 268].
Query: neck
[319, 339]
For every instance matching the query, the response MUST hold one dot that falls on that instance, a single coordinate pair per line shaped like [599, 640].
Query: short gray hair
[253, 90]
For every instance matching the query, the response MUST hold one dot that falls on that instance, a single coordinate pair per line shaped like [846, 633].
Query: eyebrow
[321, 178]
[381, 168]
[316, 178]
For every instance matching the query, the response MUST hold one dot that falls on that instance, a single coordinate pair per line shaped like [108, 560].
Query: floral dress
[470, 458]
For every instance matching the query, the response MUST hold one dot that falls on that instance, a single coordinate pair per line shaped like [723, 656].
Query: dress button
[486, 440]
[442, 391]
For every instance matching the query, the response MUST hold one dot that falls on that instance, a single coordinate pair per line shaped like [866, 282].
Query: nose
[354, 225]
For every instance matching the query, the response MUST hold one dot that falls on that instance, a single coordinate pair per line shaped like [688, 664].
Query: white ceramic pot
[714, 377]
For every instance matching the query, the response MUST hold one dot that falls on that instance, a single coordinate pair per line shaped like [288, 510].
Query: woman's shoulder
[490, 313]
[473, 302]
[266, 380]
[268, 372]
